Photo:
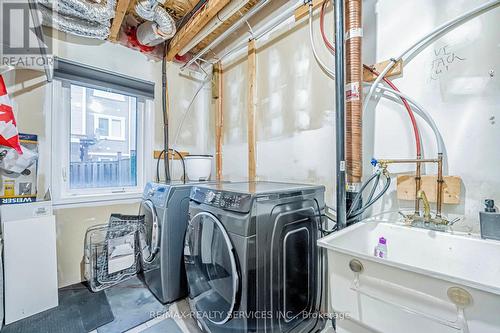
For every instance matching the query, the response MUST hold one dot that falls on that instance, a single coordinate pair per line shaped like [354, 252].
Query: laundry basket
[111, 253]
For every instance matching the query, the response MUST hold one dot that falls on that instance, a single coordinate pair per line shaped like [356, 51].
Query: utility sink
[431, 281]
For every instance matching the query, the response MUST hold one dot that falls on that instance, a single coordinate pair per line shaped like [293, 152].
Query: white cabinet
[30, 262]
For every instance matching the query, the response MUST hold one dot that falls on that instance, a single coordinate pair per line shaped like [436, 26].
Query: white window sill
[100, 199]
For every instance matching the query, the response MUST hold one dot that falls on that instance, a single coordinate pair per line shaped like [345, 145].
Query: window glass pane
[116, 128]
[103, 126]
[103, 145]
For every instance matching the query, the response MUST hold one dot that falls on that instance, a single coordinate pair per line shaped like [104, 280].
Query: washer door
[149, 233]
[211, 269]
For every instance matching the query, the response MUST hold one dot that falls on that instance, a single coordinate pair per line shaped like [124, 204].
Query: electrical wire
[205, 81]
[164, 109]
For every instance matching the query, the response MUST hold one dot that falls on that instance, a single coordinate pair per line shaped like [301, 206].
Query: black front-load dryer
[251, 257]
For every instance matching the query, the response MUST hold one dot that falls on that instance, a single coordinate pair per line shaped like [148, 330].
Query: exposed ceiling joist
[194, 26]
[303, 11]
[224, 26]
[121, 10]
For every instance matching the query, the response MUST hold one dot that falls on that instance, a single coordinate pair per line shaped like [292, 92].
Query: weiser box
[18, 186]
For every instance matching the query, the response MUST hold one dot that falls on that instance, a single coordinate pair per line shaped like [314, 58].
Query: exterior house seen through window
[103, 139]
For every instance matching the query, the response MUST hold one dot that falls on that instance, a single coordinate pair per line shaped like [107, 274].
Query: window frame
[110, 120]
[60, 147]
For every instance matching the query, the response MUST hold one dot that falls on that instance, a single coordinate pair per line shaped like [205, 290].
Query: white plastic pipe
[269, 26]
[420, 110]
[324, 67]
[429, 38]
[232, 8]
[254, 10]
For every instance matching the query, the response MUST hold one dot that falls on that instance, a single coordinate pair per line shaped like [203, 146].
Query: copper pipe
[440, 180]
[402, 161]
[354, 79]
[418, 184]
[440, 186]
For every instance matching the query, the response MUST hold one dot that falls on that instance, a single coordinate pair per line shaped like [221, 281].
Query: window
[101, 147]
[109, 127]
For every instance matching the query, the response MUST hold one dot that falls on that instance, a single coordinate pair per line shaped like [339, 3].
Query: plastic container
[380, 250]
[198, 167]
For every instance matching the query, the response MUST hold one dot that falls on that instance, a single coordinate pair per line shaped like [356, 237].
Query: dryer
[165, 210]
[251, 257]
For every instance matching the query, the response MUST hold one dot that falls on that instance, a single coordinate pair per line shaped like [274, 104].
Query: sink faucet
[426, 221]
[427, 207]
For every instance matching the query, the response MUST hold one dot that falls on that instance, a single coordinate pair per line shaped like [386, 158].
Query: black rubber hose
[158, 164]
[358, 196]
[165, 116]
[369, 204]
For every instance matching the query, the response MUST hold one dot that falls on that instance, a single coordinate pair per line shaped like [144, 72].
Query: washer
[165, 209]
[251, 257]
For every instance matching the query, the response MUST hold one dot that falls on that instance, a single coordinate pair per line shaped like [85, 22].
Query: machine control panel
[155, 192]
[226, 200]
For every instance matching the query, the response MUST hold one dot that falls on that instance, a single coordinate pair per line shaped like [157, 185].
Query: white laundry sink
[431, 281]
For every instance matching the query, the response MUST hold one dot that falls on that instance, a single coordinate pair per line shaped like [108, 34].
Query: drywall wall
[294, 112]
[32, 104]
[456, 79]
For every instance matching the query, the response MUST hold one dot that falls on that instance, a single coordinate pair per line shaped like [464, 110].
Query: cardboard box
[20, 188]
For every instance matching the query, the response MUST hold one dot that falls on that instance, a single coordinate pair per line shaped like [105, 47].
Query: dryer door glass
[149, 232]
[211, 269]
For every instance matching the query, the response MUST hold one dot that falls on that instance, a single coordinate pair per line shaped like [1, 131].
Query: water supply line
[423, 42]
[324, 67]
[224, 14]
[340, 115]
[227, 33]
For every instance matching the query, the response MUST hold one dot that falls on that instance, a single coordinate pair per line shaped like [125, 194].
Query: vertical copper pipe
[418, 184]
[440, 185]
[354, 79]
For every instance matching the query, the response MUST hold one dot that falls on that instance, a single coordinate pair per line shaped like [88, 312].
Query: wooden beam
[451, 189]
[176, 157]
[194, 26]
[396, 70]
[219, 118]
[121, 10]
[252, 62]
[303, 10]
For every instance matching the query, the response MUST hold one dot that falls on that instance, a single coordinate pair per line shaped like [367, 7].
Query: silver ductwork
[78, 17]
[74, 26]
[86, 10]
[159, 25]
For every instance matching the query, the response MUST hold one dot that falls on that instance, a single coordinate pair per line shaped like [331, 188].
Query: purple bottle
[381, 248]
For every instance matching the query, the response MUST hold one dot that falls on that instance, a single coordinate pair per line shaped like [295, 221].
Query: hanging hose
[163, 153]
[353, 214]
[165, 115]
